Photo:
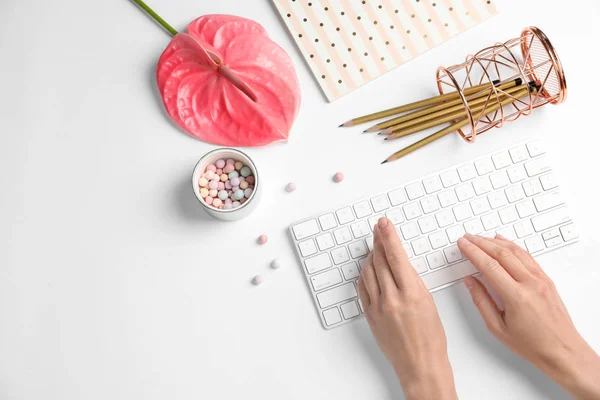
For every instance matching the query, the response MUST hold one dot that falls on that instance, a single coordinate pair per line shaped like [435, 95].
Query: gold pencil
[457, 125]
[416, 105]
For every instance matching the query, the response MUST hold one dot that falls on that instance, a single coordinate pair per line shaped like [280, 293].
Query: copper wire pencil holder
[529, 59]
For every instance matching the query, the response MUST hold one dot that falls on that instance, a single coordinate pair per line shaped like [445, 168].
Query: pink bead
[221, 206]
[290, 187]
[257, 280]
[209, 175]
[231, 161]
[228, 201]
[220, 163]
[241, 178]
[208, 200]
[213, 184]
[217, 202]
[220, 186]
[234, 181]
[236, 204]
[211, 167]
[227, 206]
[338, 177]
[228, 168]
[262, 239]
[213, 192]
[243, 200]
[250, 180]
[219, 171]
[228, 185]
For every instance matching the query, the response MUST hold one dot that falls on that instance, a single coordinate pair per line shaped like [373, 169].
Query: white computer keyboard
[512, 192]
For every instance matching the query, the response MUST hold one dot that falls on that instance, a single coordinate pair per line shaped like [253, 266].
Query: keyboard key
[327, 221]
[455, 232]
[491, 221]
[537, 166]
[547, 201]
[380, 203]
[358, 249]
[438, 239]
[482, 185]
[342, 235]
[453, 254]
[360, 229]
[325, 241]
[465, 192]
[340, 255]
[534, 244]
[317, 263]
[449, 178]
[514, 193]
[345, 215]
[430, 204]
[519, 154]
[548, 181]
[447, 198]
[516, 173]
[349, 310]
[307, 248]
[484, 166]
[550, 234]
[479, 206]
[525, 209]
[508, 232]
[415, 191]
[362, 209]
[419, 264]
[501, 160]
[466, 172]
[448, 275]
[305, 229]
[569, 232]
[523, 228]
[535, 148]
[550, 219]
[427, 224]
[397, 197]
[473, 226]
[420, 246]
[396, 216]
[332, 316]
[336, 295]
[555, 241]
[532, 187]
[432, 184]
[436, 260]
[412, 210]
[444, 218]
[508, 215]
[410, 231]
[326, 279]
[462, 211]
[497, 199]
[499, 179]
[373, 221]
[350, 271]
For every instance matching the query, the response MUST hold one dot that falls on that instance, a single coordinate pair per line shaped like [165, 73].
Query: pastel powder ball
[257, 280]
[290, 187]
[338, 177]
[262, 239]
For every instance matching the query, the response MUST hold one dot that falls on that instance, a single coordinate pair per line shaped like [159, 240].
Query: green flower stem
[156, 17]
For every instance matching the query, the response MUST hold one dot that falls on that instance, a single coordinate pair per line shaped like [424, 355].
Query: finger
[386, 280]
[401, 269]
[522, 254]
[487, 307]
[362, 293]
[505, 257]
[370, 280]
[497, 276]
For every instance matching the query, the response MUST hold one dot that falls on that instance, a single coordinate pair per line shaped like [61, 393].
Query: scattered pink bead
[208, 200]
[257, 280]
[250, 180]
[220, 186]
[211, 167]
[220, 163]
[228, 168]
[290, 187]
[262, 239]
[219, 171]
[213, 192]
[338, 177]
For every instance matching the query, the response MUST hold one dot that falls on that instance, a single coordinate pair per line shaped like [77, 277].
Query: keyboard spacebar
[447, 275]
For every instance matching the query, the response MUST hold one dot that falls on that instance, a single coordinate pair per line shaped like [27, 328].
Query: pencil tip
[340, 125]
[372, 129]
[384, 161]
[346, 124]
[385, 138]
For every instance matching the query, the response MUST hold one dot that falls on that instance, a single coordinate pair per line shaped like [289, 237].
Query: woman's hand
[404, 320]
[535, 323]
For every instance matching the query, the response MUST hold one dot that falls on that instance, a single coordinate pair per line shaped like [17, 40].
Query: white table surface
[115, 284]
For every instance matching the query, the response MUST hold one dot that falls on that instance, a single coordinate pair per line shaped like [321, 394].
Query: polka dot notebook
[347, 43]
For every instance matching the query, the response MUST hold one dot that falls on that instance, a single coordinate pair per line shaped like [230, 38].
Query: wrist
[433, 381]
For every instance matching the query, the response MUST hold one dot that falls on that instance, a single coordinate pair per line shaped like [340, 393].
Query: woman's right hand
[535, 323]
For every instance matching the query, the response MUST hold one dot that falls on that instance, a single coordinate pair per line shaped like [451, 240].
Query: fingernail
[383, 221]
[468, 236]
[468, 282]
[463, 241]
